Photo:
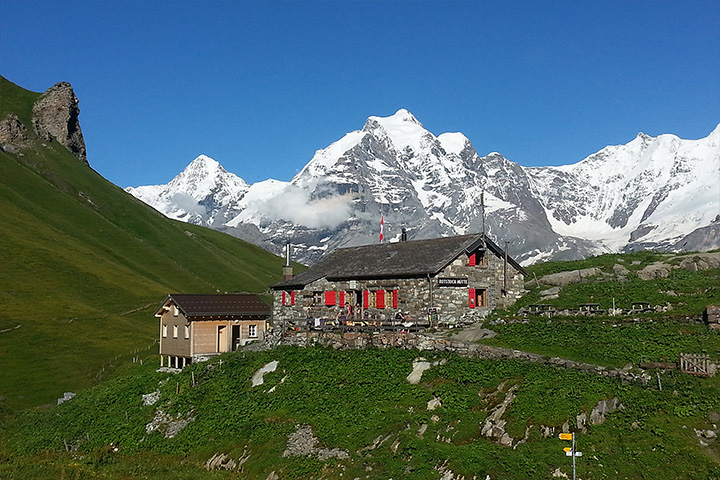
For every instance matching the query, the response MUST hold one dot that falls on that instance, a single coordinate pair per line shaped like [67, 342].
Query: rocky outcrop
[693, 263]
[565, 278]
[55, 117]
[168, 425]
[302, 443]
[13, 135]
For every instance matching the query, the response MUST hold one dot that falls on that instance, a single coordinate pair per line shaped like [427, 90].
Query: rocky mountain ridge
[653, 192]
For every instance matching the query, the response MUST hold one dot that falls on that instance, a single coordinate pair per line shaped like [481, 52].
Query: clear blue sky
[261, 85]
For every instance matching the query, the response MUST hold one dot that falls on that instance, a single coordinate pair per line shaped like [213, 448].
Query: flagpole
[382, 224]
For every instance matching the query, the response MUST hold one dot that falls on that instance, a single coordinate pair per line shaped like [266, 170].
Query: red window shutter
[366, 299]
[380, 299]
[292, 297]
[471, 302]
[471, 260]
[395, 298]
[283, 298]
[330, 298]
[342, 298]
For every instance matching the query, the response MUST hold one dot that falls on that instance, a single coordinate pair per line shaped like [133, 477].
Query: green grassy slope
[615, 341]
[360, 402]
[84, 264]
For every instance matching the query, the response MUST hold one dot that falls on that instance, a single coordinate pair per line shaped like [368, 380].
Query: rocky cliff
[55, 116]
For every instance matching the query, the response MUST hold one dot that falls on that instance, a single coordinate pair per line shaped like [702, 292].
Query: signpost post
[570, 451]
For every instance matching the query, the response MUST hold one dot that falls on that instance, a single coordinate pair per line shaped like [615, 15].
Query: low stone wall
[419, 341]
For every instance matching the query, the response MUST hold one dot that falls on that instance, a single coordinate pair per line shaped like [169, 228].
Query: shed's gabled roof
[416, 258]
[216, 305]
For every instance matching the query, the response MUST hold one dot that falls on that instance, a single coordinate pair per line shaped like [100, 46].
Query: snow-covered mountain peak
[453, 142]
[203, 176]
[398, 118]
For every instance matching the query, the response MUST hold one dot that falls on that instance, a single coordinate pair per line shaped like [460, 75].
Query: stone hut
[456, 279]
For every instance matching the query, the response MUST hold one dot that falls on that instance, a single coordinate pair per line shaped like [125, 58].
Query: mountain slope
[85, 264]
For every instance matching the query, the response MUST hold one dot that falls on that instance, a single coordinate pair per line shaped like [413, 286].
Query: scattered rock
[597, 415]
[395, 445]
[574, 276]
[494, 426]
[581, 421]
[376, 443]
[167, 425]
[550, 293]
[620, 270]
[220, 461]
[151, 398]
[655, 270]
[557, 473]
[258, 377]
[419, 366]
[67, 396]
[434, 403]
[302, 443]
[421, 431]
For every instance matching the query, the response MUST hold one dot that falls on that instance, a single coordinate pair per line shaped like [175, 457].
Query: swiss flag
[382, 224]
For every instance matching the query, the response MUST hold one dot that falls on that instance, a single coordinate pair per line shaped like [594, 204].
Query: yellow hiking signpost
[570, 451]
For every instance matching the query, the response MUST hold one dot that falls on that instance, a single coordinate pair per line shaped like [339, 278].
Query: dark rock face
[55, 116]
[13, 134]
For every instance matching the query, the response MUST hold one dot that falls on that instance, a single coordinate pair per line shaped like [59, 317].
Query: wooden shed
[195, 326]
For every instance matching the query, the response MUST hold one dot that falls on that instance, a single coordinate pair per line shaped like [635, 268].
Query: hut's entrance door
[221, 341]
[357, 305]
[235, 337]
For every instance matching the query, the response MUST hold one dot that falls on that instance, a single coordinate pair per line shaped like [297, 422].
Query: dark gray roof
[217, 305]
[393, 260]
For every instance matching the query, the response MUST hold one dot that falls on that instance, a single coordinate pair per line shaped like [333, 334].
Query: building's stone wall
[415, 295]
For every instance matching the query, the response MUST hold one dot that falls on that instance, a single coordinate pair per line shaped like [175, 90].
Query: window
[317, 298]
[164, 331]
[187, 331]
[477, 298]
[478, 257]
[176, 311]
[252, 331]
[175, 331]
[480, 298]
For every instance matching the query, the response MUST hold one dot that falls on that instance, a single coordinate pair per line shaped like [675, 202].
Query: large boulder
[565, 278]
